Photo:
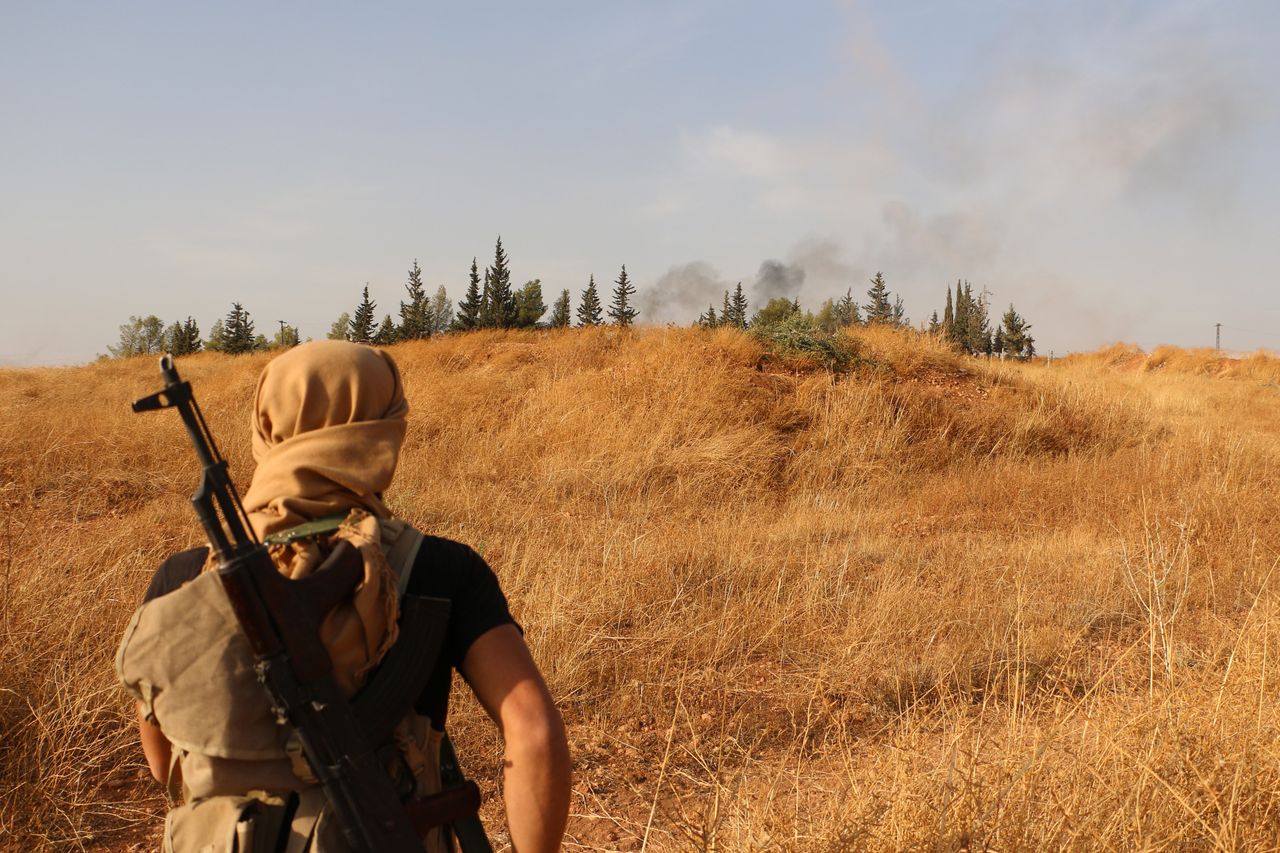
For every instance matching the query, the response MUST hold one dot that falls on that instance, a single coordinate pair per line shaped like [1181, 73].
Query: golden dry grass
[935, 604]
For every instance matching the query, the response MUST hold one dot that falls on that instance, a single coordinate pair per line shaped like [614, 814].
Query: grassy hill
[931, 602]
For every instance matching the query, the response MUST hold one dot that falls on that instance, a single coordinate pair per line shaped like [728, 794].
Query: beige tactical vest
[183, 656]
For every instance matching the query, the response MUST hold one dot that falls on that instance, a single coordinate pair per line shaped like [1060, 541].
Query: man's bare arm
[155, 746]
[536, 779]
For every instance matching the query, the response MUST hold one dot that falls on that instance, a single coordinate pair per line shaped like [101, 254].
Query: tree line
[966, 321]
[491, 305]
[490, 302]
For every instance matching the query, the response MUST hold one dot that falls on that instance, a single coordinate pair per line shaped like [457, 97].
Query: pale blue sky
[1110, 168]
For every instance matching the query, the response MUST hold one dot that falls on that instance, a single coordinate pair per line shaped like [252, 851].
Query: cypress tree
[362, 329]
[469, 308]
[621, 311]
[589, 311]
[415, 320]
[948, 316]
[560, 314]
[960, 324]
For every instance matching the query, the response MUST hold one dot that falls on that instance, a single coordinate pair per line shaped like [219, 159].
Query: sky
[1112, 169]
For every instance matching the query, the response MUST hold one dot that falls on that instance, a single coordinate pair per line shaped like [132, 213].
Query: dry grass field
[931, 604]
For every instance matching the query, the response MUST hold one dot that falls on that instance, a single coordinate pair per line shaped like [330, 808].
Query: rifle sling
[405, 671]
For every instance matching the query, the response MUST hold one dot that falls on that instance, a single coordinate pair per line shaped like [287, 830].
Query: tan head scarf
[328, 422]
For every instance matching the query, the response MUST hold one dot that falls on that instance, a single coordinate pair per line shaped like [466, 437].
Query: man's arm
[537, 768]
[155, 746]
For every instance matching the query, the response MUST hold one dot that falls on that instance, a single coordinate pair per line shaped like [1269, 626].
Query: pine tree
[1013, 335]
[174, 340]
[737, 314]
[935, 325]
[726, 310]
[529, 304]
[415, 320]
[589, 311]
[341, 328]
[501, 301]
[238, 334]
[387, 333]
[362, 329]
[560, 314]
[469, 308]
[846, 310]
[879, 308]
[899, 312]
[620, 310]
[440, 312]
[979, 331]
[709, 320]
[191, 335]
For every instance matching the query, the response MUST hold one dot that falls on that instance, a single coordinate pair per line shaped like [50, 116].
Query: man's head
[328, 422]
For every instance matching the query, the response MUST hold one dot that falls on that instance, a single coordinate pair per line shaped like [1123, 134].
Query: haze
[1109, 168]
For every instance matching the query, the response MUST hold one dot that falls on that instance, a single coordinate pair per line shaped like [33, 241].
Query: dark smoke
[776, 279]
[682, 293]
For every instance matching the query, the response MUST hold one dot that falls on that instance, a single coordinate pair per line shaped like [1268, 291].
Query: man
[328, 424]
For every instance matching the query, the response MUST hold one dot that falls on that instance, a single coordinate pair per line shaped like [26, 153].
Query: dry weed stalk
[934, 603]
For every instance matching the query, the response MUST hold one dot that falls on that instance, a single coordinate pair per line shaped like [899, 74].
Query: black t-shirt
[443, 569]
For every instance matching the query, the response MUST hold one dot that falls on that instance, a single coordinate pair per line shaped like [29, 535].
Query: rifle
[280, 618]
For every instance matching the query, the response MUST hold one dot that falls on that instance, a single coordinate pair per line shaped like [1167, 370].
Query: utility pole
[1217, 336]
